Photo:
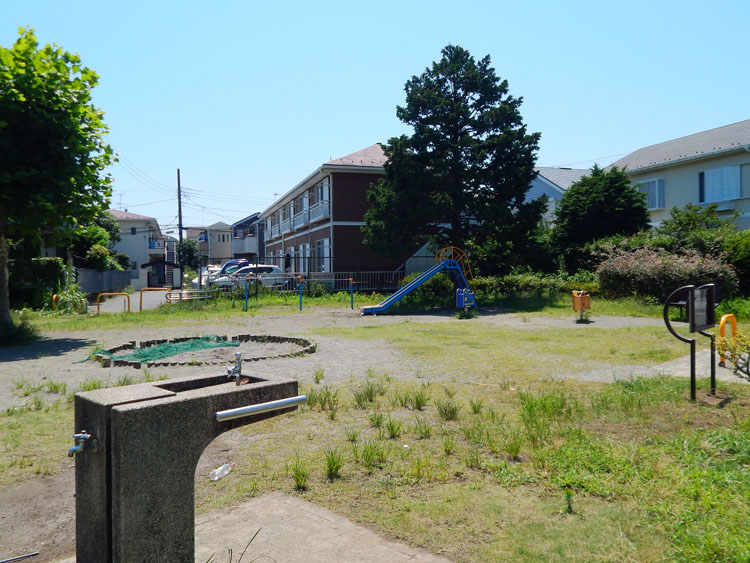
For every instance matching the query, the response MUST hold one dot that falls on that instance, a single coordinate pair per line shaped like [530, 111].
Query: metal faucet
[236, 370]
[81, 442]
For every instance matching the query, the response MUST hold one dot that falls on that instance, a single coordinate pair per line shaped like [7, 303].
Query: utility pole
[179, 227]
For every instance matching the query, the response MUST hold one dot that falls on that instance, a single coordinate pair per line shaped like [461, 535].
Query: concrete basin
[135, 489]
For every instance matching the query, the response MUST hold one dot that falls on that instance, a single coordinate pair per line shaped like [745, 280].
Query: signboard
[701, 313]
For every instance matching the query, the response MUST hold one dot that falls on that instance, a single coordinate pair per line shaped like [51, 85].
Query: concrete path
[293, 530]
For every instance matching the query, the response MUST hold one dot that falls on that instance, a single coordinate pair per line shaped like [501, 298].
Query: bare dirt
[39, 514]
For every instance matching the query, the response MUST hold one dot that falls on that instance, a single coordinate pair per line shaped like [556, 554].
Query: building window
[133, 265]
[322, 255]
[719, 184]
[132, 230]
[654, 190]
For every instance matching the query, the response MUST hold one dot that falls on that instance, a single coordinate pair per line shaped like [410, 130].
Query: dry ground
[38, 515]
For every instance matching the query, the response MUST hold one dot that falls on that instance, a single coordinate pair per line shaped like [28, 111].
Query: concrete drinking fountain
[136, 451]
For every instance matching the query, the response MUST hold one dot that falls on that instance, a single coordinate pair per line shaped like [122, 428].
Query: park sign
[700, 303]
[701, 308]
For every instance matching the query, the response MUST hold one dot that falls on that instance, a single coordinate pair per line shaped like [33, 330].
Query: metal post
[692, 370]
[246, 284]
[299, 286]
[351, 292]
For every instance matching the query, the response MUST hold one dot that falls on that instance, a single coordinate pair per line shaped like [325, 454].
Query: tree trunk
[6, 323]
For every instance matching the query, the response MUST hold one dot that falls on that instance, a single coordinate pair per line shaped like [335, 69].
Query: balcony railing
[247, 245]
[286, 226]
[301, 219]
[155, 243]
[319, 211]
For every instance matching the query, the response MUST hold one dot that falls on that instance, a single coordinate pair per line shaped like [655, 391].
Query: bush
[438, 291]
[656, 273]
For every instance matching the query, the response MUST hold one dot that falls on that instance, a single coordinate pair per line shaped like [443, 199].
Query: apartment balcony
[320, 211]
[286, 226]
[246, 245]
[301, 220]
[273, 232]
[155, 243]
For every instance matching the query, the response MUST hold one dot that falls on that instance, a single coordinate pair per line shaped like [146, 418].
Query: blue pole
[299, 285]
[351, 292]
[245, 294]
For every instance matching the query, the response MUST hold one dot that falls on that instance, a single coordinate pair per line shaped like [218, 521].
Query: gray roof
[699, 145]
[563, 178]
[371, 156]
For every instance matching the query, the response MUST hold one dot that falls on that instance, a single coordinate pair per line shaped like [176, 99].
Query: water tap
[83, 440]
[236, 370]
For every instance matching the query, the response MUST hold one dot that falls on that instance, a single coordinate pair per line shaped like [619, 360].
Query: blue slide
[450, 265]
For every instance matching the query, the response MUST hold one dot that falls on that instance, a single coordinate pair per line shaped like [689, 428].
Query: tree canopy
[52, 151]
[461, 177]
[597, 206]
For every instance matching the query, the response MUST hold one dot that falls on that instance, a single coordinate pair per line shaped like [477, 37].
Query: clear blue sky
[248, 98]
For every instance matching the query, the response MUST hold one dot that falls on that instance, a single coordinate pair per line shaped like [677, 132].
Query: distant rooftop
[371, 156]
[562, 177]
[706, 143]
[124, 215]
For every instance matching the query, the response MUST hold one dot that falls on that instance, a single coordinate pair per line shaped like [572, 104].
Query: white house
[708, 167]
[144, 243]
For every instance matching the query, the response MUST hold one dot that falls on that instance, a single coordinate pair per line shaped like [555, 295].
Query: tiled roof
[719, 140]
[124, 215]
[371, 156]
[220, 226]
[563, 178]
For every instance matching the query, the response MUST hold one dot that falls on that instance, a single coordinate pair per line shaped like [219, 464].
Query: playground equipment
[729, 317]
[450, 258]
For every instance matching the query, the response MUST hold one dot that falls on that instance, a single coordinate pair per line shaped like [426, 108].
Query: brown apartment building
[315, 226]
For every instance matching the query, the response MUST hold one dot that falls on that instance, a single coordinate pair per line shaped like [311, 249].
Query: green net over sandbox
[167, 349]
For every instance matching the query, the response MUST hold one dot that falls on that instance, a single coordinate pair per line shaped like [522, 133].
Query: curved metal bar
[666, 313]
[150, 289]
[249, 410]
[99, 298]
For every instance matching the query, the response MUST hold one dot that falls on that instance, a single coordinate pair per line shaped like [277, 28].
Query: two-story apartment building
[708, 167]
[315, 226]
[150, 254]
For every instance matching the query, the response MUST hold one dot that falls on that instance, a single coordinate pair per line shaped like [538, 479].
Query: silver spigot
[236, 370]
[83, 440]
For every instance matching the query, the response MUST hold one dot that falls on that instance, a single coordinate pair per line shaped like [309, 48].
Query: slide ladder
[450, 265]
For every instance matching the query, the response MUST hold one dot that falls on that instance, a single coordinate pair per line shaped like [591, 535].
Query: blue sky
[247, 98]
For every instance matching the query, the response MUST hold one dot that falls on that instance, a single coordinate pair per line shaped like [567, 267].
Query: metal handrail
[249, 410]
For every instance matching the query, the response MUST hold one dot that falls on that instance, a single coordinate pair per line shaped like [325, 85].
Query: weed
[419, 399]
[476, 405]
[511, 442]
[394, 428]
[334, 463]
[447, 409]
[352, 435]
[125, 380]
[476, 433]
[473, 460]
[449, 444]
[58, 387]
[373, 455]
[90, 385]
[332, 414]
[449, 393]
[300, 474]
[377, 419]
[420, 468]
[422, 429]
[318, 375]
[569, 501]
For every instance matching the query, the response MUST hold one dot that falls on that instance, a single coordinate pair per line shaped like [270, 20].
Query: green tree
[189, 254]
[52, 151]
[462, 176]
[597, 206]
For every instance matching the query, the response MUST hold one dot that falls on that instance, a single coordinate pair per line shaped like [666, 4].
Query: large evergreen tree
[51, 148]
[597, 206]
[461, 177]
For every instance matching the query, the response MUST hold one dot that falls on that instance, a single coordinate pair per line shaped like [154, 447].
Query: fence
[93, 281]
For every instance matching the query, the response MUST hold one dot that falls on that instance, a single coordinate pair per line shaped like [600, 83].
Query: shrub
[438, 291]
[656, 273]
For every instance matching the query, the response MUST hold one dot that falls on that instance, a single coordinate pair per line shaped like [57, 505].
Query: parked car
[267, 274]
[206, 273]
[229, 267]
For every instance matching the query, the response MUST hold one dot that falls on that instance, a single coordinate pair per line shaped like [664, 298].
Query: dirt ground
[38, 515]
